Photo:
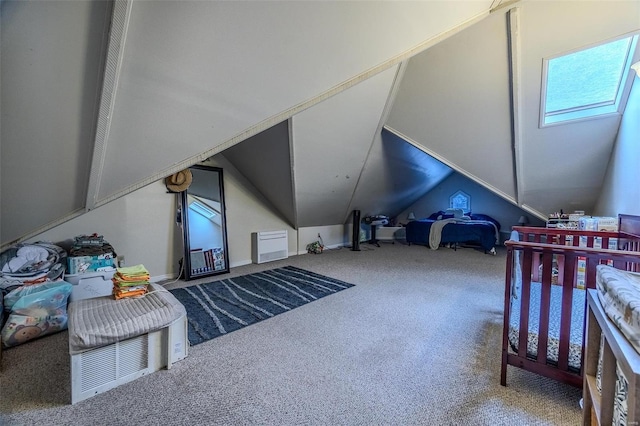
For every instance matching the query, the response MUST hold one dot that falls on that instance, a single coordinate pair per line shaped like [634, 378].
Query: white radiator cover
[267, 246]
[100, 369]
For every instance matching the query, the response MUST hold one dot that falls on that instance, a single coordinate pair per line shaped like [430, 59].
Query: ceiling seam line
[395, 86]
[513, 49]
[120, 19]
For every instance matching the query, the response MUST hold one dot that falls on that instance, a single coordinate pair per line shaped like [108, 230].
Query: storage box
[607, 223]
[588, 224]
[597, 243]
[92, 284]
[83, 264]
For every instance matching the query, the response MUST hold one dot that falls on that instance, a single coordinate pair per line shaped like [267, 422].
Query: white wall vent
[267, 246]
[99, 369]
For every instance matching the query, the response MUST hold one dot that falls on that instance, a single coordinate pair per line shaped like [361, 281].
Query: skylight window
[586, 83]
[200, 208]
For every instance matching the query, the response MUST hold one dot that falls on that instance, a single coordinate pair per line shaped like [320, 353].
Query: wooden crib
[548, 271]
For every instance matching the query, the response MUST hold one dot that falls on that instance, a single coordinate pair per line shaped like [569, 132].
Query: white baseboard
[335, 246]
[240, 263]
[163, 277]
[329, 247]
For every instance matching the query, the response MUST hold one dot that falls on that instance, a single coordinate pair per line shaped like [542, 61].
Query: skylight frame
[202, 209]
[594, 110]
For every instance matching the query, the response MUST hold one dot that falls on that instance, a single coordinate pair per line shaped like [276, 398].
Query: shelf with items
[562, 223]
[604, 406]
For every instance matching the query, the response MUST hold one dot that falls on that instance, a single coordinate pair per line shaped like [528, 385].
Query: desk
[373, 239]
[374, 222]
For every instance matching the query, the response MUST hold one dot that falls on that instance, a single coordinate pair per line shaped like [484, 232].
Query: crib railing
[549, 255]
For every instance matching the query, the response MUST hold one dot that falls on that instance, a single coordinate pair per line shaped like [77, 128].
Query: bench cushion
[619, 293]
[102, 320]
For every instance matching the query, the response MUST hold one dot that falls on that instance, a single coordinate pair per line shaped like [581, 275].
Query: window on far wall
[460, 200]
[586, 83]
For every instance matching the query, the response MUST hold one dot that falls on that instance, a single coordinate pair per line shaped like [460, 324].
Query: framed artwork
[460, 200]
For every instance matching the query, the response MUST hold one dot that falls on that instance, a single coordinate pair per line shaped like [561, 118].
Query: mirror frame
[187, 269]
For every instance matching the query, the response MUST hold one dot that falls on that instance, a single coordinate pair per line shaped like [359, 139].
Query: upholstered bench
[112, 342]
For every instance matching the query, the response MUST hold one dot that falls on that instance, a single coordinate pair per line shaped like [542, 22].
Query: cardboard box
[84, 264]
[607, 224]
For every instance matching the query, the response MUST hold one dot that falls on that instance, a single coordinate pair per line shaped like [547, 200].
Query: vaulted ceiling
[325, 107]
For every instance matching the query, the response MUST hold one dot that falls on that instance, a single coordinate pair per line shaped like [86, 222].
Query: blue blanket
[479, 232]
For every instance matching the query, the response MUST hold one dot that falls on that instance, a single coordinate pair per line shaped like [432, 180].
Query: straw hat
[180, 181]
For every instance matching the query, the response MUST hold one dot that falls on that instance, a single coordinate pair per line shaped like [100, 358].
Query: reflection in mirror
[204, 224]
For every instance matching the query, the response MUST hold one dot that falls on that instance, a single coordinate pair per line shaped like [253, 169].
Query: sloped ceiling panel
[578, 165]
[51, 71]
[265, 160]
[396, 175]
[196, 76]
[331, 142]
[454, 101]
[563, 166]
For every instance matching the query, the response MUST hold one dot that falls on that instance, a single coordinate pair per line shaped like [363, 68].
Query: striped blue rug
[220, 307]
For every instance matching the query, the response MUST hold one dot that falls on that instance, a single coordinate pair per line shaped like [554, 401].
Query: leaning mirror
[204, 224]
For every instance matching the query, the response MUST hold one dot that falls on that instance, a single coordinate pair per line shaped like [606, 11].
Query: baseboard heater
[267, 246]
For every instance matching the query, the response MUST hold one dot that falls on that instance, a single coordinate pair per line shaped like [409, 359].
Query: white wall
[620, 191]
[331, 236]
[247, 211]
[140, 226]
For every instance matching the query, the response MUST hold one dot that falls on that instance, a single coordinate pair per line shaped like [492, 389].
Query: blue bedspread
[483, 233]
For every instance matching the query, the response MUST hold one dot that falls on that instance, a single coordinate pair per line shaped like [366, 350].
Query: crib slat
[545, 298]
[565, 326]
[508, 294]
[523, 334]
[592, 263]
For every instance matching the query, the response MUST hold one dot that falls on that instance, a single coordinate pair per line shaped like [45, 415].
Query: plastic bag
[36, 310]
[45, 295]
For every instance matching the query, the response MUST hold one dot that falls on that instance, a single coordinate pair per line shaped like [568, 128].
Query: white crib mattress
[103, 320]
[555, 308]
[619, 293]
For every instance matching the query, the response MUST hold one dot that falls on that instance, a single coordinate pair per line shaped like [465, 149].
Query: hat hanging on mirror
[180, 181]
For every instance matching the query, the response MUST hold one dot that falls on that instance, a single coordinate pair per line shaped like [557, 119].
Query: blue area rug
[220, 307]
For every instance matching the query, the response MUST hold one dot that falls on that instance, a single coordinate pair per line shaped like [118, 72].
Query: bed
[547, 274]
[442, 228]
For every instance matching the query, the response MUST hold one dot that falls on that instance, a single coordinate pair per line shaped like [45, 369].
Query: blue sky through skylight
[588, 82]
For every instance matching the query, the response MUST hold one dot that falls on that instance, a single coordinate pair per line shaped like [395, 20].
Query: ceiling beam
[515, 88]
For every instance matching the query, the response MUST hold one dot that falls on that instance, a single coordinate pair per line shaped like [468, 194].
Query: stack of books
[131, 281]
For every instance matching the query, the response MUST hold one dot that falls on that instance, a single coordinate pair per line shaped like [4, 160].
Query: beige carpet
[416, 341]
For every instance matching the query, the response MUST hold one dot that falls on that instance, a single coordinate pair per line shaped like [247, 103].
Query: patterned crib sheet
[555, 308]
[620, 399]
[619, 293]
